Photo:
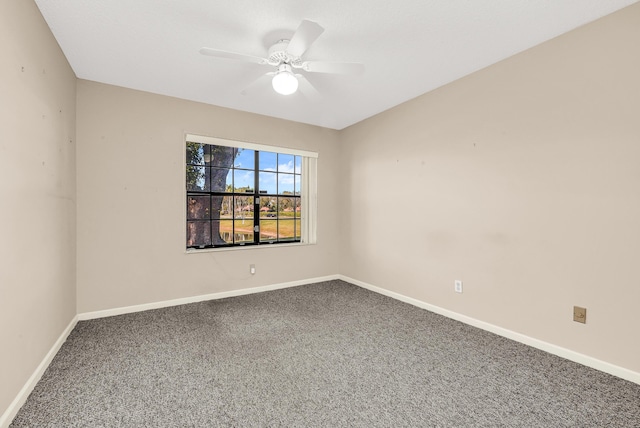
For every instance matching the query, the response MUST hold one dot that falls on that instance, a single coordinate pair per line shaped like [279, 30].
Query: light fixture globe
[284, 82]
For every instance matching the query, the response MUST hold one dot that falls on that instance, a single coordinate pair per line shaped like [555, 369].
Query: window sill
[246, 247]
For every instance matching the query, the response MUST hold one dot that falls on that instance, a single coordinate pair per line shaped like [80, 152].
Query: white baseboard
[21, 398]
[585, 360]
[201, 298]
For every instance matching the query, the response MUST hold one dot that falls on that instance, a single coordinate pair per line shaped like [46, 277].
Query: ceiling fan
[286, 57]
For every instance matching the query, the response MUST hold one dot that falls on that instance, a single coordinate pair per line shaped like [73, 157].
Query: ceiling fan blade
[233, 55]
[347, 68]
[261, 82]
[305, 35]
[307, 89]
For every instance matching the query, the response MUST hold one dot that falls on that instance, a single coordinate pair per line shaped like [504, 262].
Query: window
[240, 194]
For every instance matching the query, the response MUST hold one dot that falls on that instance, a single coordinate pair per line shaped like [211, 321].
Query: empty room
[302, 213]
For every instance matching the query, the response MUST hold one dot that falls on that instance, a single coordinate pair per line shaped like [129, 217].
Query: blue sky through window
[245, 159]
[243, 179]
[268, 161]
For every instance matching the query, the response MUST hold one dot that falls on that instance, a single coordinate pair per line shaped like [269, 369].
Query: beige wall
[131, 227]
[522, 180]
[37, 188]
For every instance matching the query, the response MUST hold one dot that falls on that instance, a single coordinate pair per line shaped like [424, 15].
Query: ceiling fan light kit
[285, 55]
[284, 82]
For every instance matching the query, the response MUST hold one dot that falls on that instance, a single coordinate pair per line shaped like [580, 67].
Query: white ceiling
[408, 47]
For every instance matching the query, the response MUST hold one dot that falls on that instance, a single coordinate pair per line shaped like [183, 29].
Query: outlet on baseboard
[252, 269]
[457, 286]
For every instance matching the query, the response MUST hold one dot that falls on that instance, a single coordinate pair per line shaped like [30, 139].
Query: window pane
[243, 231]
[198, 207]
[196, 153]
[285, 184]
[221, 207]
[244, 207]
[268, 230]
[243, 181]
[298, 203]
[298, 164]
[197, 178]
[286, 207]
[267, 182]
[198, 233]
[221, 179]
[224, 233]
[221, 156]
[226, 207]
[268, 206]
[298, 234]
[268, 161]
[285, 163]
[245, 159]
[285, 229]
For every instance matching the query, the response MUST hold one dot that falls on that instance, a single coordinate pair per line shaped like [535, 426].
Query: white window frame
[308, 191]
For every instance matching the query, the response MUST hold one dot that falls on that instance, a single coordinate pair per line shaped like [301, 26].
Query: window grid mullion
[256, 195]
[210, 215]
[233, 203]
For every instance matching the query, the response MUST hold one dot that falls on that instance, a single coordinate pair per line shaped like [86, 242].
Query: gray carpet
[328, 354]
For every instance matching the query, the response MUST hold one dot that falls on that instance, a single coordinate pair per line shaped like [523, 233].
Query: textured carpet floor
[328, 354]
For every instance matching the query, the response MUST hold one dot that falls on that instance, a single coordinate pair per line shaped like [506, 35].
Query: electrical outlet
[457, 286]
[580, 314]
[252, 269]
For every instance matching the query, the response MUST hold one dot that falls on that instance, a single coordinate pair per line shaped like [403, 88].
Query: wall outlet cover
[580, 314]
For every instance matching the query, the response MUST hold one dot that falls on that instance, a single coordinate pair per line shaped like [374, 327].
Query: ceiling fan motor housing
[278, 55]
